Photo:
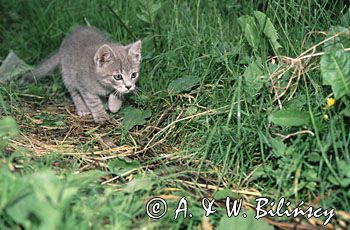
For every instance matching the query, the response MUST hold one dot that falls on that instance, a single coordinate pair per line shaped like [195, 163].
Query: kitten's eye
[118, 77]
[134, 75]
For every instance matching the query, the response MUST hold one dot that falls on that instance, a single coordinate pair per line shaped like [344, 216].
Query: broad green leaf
[268, 29]
[143, 18]
[251, 32]
[242, 223]
[133, 116]
[344, 182]
[346, 112]
[8, 127]
[30, 208]
[260, 173]
[314, 157]
[345, 19]
[75, 182]
[222, 194]
[47, 185]
[10, 186]
[254, 79]
[340, 42]
[252, 35]
[335, 69]
[246, 20]
[332, 180]
[137, 184]
[41, 201]
[297, 102]
[310, 174]
[155, 7]
[119, 166]
[344, 168]
[289, 118]
[182, 84]
[84, 178]
[278, 147]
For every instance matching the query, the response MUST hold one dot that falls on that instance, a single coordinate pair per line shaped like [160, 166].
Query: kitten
[92, 68]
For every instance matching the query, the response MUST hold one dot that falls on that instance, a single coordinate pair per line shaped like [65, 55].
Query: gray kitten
[92, 67]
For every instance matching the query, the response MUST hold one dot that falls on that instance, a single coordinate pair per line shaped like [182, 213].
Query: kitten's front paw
[82, 113]
[26, 78]
[115, 109]
[114, 103]
[101, 119]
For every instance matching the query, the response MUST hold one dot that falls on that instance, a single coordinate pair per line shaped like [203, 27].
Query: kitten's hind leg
[114, 103]
[81, 108]
[95, 105]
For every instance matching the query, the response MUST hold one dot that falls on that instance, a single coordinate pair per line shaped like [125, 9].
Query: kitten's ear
[103, 56]
[134, 50]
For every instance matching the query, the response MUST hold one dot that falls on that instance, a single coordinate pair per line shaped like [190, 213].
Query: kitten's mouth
[123, 92]
[128, 91]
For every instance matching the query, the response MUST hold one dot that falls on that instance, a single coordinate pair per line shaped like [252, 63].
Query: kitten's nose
[128, 86]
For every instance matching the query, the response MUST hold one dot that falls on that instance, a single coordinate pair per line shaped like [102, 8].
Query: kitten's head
[118, 66]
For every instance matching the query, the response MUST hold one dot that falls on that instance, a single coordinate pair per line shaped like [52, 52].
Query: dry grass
[284, 86]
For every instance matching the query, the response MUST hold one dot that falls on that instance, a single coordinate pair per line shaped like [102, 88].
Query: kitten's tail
[44, 68]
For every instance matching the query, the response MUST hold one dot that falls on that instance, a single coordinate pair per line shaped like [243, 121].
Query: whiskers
[117, 93]
[137, 91]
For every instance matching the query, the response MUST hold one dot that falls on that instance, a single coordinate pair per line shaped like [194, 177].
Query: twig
[285, 137]
[110, 180]
[183, 119]
[320, 43]
[102, 152]
[275, 91]
[317, 54]
[68, 133]
[308, 35]
[213, 187]
[162, 118]
[300, 68]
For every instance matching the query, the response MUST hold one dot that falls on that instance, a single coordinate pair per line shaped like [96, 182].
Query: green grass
[50, 172]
